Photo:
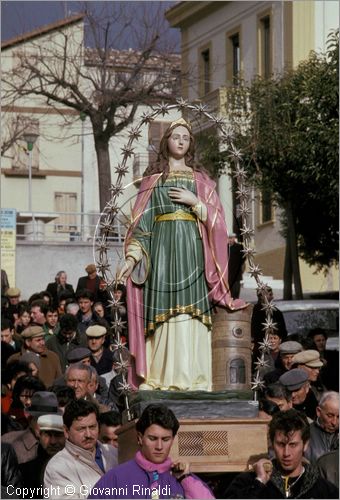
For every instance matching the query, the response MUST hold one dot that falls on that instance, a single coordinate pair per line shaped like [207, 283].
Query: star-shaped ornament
[162, 108]
[127, 151]
[257, 384]
[134, 133]
[235, 153]
[255, 271]
[122, 169]
[242, 193]
[118, 345]
[265, 345]
[182, 104]
[116, 189]
[248, 252]
[269, 326]
[261, 363]
[147, 117]
[240, 174]
[124, 388]
[102, 244]
[243, 210]
[201, 107]
[269, 307]
[118, 325]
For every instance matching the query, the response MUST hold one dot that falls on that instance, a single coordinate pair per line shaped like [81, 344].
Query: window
[236, 60]
[205, 69]
[156, 132]
[267, 212]
[237, 371]
[64, 203]
[265, 47]
[233, 55]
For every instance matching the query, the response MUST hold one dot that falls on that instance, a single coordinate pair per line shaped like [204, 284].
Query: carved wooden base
[214, 445]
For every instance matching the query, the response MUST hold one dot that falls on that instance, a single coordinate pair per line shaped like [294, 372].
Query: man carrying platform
[289, 475]
[152, 474]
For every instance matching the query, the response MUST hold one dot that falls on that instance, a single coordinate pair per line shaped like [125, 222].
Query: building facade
[222, 41]
[61, 203]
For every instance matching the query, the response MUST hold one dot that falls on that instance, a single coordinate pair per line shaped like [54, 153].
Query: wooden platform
[209, 445]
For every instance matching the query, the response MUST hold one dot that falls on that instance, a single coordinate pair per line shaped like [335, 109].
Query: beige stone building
[64, 193]
[224, 39]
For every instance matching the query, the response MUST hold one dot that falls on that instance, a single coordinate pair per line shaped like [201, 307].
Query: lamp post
[30, 138]
[82, 117]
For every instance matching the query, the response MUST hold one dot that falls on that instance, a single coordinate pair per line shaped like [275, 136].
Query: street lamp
[82, 117]
[30, 138]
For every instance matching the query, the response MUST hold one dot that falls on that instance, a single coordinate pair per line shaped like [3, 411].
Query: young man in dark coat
[288, 475]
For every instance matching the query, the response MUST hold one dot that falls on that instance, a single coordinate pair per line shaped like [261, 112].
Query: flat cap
[290, 347]
[294, 379]
[51, 422]
[78, 354]
[90, 268]
[310, 358]
[95, 331]
[33, 331]
[13, 292]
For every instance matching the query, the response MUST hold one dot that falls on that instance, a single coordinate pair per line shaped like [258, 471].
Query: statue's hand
[126, 269]
[183, 195]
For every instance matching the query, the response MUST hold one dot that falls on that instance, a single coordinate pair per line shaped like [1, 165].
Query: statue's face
[179, 142]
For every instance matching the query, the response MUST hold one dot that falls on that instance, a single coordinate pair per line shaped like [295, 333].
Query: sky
[19, 17]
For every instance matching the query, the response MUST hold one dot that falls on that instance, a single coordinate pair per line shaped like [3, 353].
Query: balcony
[61, 227]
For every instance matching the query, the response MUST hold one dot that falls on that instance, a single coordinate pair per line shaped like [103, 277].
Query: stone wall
[38, 262]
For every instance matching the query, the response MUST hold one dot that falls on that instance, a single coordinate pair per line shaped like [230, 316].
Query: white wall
[37, 264]
[326, 18]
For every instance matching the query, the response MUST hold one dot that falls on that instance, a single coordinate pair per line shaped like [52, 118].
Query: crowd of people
[60, 406]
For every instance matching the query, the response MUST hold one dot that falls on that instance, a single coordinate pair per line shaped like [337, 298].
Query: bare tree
[84, 70]
[12, 131]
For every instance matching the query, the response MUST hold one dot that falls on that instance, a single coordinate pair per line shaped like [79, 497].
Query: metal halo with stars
[109, 214]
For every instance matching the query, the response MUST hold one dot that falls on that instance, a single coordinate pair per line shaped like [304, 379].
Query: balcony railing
[64, 227]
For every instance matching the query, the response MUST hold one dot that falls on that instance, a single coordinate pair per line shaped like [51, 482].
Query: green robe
[176, 281]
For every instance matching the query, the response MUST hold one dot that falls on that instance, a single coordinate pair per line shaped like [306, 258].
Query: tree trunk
[104, 171]
[287, 272]
[294, 257]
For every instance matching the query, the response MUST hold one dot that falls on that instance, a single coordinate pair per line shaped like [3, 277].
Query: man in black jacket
[66, 339]
[288, 475]
[93, 283]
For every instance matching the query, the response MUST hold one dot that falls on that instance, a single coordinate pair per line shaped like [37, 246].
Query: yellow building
[223, 40]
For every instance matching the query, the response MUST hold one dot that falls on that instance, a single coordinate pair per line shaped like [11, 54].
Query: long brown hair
[161, 165]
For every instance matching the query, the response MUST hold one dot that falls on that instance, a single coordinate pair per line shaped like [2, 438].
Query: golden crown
[180, 121]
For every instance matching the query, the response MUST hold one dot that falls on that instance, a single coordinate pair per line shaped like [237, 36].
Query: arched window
[237, 371]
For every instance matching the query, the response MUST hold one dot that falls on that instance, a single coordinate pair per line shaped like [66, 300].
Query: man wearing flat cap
[310, 362]
[303, 399]
[33, 337]
[101, 357]
[51, 440]
[283, 363]
[83, 355]
[25, 443]
[93, 283]
[13, 296]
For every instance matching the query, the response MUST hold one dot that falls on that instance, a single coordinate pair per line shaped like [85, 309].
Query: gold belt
[178, 215]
